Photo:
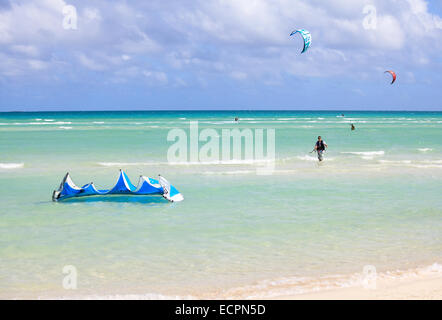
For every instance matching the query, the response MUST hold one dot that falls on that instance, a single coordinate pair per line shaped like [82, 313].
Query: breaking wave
[11, 165]
[365, 153]
[414, 163]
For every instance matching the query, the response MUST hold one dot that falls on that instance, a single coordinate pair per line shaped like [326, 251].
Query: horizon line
[227, 110]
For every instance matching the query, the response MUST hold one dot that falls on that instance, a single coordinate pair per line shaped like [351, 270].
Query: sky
[219, 54]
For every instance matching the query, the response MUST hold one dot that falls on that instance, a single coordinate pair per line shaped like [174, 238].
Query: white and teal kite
[306, 36]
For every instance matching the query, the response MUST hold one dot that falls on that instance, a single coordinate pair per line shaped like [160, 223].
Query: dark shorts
[320, 155]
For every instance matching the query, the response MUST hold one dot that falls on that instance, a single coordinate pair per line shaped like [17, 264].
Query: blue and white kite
[306, 36]
[146, 186]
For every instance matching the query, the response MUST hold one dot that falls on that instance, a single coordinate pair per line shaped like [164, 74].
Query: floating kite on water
[306, 36]
[393, 74]
[146, 186]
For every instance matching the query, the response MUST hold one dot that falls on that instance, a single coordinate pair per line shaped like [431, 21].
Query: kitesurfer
[320, 147]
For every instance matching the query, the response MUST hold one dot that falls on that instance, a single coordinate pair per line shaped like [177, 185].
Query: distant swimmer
[236, 119]
[342, 115]
[320, 147]
[352, 127]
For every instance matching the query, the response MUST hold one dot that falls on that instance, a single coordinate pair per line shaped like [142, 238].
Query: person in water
[320, 147]
[352, 127]
[236, 119]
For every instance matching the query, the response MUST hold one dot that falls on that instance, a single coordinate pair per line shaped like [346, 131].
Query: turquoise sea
[375, 200]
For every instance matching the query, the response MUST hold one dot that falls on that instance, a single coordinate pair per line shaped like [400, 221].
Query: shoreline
[429, 288]
[423, 283]
[417, 283]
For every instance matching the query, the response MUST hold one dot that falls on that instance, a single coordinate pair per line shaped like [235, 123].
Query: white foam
[61, 122]
[366, 153]
[98, 122]
[11, 165]
[396, 161]
[41, 123]
[307, 158]
[425, 149]
[412, 161]
[312, 158]
[423, 164]
[219, 122]
[432, 161]
[65, 128]
[426, 166]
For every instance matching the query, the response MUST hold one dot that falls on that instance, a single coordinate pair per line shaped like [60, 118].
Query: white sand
[428, 288]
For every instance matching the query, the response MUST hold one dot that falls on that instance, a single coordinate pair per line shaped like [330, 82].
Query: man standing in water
[320, 147]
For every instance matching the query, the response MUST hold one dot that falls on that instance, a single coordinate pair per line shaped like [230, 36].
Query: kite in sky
[393, 74]
[306, 36]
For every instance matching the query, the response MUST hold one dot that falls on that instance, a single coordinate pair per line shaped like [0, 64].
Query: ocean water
[375, 200]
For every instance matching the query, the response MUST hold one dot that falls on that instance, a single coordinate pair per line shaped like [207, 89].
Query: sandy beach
[427, 288]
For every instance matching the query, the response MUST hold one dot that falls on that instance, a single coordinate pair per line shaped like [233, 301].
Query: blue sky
[220, 54]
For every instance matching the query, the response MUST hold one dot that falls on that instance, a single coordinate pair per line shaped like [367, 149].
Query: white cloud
[90, 63]
[180, 83]
[389, 33]
[37, 64]
[26, 49]
[239, 75]
[155, 77]
[92, 14]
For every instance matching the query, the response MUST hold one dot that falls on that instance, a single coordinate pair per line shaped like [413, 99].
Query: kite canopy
[393, 74]
[146, 186]
[306, 36]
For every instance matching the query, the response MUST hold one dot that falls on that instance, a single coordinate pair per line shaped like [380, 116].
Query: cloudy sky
[219, 54]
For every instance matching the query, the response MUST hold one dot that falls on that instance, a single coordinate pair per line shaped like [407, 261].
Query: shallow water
[375, 200]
